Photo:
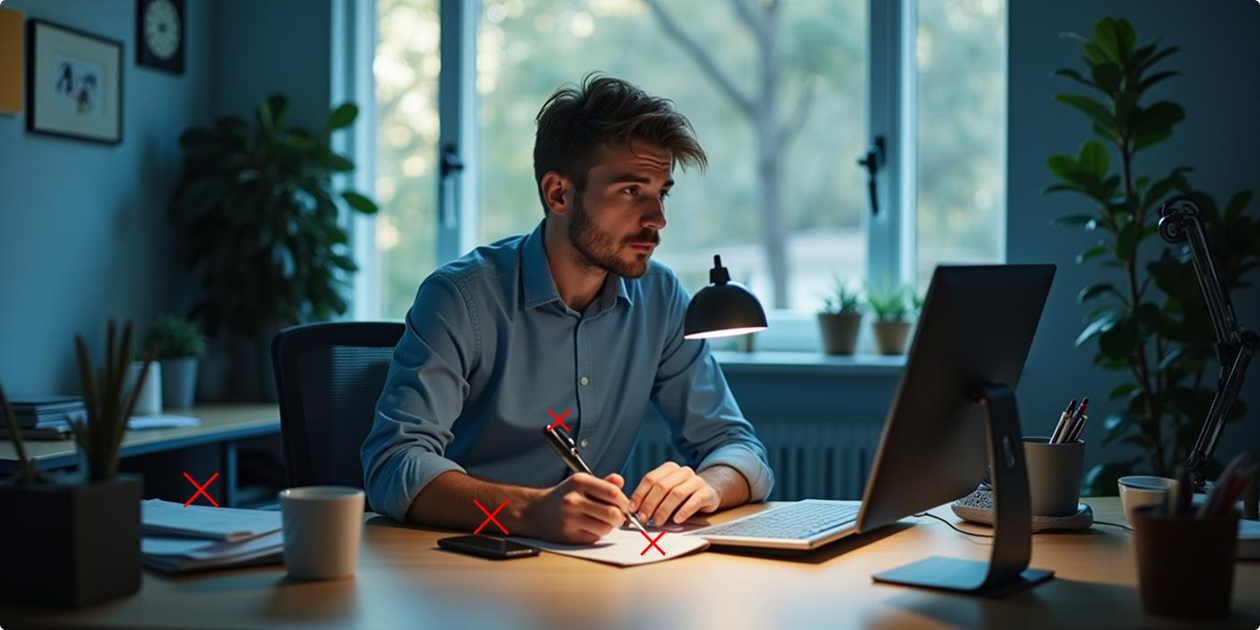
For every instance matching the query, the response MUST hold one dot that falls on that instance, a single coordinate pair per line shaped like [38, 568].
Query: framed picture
[74, 83]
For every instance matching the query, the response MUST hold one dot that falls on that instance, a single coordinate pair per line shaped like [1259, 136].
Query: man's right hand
[579, 510]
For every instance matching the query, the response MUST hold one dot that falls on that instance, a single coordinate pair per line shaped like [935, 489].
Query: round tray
[969, 509]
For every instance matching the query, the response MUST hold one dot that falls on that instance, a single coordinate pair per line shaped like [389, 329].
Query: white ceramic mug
[322, 528]
[1138, 491]
[149, 402]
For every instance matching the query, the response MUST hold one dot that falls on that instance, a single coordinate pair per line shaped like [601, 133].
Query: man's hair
[578, 119]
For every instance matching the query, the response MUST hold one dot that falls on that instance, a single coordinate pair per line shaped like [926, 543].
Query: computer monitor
[954, 415]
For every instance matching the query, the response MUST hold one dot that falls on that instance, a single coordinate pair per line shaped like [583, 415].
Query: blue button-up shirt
[490, 347]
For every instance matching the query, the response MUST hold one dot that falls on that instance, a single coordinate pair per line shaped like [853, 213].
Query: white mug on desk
[1138, 491]
[322, 527]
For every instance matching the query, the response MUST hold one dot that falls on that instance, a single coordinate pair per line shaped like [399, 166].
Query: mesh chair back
[329, 377]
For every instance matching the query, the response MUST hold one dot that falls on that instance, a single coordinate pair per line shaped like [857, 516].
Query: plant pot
[890, 337]
[179, 381]
[73, 544]
[839, 331]
[149, 401]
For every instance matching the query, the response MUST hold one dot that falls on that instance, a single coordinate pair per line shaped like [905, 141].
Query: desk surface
[219, 422]
[404, 580]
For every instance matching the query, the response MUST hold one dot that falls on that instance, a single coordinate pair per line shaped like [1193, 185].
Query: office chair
[328, 377]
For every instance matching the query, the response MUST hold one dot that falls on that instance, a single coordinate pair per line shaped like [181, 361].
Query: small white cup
[1138, 491]
[322, 528]
[149, 402]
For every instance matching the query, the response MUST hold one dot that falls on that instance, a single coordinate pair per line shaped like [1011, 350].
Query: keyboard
[797, 521]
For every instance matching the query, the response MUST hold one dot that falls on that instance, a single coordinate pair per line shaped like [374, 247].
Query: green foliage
[172, 337]
[842, 299]
[108, 400]
[892, 303]
[260, 222]
[1161, 335]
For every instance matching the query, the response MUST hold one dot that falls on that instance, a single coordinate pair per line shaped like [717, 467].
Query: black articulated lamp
[723, 309]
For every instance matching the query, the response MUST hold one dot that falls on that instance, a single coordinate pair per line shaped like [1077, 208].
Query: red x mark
[490, 516]
[566, 427]
[201, 489]
[652, 543]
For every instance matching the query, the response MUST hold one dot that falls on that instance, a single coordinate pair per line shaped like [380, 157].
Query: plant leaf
[343, 116]
[1093, 158]
[1096, 111]
[359, 202]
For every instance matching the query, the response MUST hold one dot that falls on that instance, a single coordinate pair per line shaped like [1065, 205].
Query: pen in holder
[1185, 564]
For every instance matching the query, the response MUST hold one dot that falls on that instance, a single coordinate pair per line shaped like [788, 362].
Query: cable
[1124, 527]
[951, 526]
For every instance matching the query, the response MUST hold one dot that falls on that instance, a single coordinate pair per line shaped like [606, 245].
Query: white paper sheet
[166, 518]
[625, 547]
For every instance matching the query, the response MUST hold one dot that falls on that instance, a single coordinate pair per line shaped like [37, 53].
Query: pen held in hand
[564, 447]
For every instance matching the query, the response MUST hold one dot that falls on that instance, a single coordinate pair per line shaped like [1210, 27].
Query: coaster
[977, 507]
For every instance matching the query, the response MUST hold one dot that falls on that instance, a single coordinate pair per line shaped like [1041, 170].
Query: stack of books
[178, 539]
[45, 416]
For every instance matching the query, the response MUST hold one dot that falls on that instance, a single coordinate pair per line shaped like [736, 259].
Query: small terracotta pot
[839, 331]
[890, 337]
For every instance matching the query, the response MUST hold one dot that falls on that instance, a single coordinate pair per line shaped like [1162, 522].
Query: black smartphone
[487, 547]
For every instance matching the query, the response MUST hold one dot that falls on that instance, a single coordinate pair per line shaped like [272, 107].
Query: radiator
[811, 460]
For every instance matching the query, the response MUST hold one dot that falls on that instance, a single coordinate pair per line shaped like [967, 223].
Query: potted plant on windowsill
[893, 307]
[179, 346]
[74, 540]
[840, 320]
[261, 226]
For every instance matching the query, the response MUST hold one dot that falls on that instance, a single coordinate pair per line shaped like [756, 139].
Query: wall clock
[160, 34]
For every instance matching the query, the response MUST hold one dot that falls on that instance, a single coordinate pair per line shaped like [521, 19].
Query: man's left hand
[673, 489]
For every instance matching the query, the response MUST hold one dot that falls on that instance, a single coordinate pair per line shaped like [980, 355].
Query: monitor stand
[1007, 569]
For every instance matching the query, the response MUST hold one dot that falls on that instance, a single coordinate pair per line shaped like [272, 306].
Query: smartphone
[487, 547]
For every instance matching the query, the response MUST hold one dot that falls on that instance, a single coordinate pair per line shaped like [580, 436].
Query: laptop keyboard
[790, 522]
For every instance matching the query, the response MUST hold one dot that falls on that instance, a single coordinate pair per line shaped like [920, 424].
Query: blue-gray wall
[83, 230]
[1220, 137]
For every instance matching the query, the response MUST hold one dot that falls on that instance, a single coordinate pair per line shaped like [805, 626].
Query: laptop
[976, 327]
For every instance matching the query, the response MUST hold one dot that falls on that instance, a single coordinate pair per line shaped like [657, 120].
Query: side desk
[224, 424]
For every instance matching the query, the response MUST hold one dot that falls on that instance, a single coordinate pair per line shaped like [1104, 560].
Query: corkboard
[11, 67]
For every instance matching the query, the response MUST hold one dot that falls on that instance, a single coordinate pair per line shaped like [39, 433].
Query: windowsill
[811, 363]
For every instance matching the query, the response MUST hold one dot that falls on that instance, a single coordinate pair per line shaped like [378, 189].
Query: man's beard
[598, 249]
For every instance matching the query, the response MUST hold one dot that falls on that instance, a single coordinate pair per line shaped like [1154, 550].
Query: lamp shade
[723, 309]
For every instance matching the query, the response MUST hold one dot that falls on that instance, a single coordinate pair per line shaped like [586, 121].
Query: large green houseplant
[1149, 318]
[258, 213]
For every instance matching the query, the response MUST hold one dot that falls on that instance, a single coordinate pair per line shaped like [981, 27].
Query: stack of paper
[178, 539]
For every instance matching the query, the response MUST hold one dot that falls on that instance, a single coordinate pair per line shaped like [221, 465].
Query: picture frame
[74, 83]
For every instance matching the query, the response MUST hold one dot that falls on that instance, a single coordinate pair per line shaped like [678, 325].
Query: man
[574, 316]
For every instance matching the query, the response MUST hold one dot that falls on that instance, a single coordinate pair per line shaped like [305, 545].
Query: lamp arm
[1180, 221]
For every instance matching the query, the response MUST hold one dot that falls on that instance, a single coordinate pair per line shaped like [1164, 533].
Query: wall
[273, 46]
[83, 231]
[1219, 88]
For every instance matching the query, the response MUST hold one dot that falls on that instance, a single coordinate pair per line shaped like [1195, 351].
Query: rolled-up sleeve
[423, 395]
[705, 422]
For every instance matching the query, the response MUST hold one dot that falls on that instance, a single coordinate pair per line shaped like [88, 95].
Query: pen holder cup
[1185, 564]
[1054, 475]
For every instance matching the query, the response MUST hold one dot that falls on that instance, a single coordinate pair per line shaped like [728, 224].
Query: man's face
[616, 221]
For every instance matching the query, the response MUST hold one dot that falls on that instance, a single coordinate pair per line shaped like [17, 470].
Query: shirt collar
[540, 287]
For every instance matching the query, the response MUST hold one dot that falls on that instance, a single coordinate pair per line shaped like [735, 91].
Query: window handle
[873, 162]
[451, 165]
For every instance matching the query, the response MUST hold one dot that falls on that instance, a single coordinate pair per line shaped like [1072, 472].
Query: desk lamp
[723, 309]
[1179, 221]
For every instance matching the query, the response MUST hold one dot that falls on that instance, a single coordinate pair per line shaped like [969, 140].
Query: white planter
[150, 400]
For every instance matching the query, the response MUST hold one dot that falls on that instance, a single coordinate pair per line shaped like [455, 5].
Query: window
[786, 230]
[406, 71]
[960, 56]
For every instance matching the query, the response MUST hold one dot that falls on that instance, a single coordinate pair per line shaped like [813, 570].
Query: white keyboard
[797, 521]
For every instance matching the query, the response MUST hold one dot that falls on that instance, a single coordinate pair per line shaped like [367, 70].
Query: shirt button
[585, 381]
[585, 442]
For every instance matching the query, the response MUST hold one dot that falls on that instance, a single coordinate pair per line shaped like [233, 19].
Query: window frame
[891, 113]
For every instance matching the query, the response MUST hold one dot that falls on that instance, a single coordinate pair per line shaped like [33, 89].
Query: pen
[1080, 411]
[564, 447]
[1063, 420]
[1221, 499]
[1078, 430]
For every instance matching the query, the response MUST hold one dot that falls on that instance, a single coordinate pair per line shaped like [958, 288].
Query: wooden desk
[224, 424]
[404, 580]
